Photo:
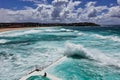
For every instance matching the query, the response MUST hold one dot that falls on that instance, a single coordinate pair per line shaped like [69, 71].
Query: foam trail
[2, 41]
[63, 29]
[50, 30]
[82, 52]
[19, 33]
[66, 30]
[114, 38]
[80, 33]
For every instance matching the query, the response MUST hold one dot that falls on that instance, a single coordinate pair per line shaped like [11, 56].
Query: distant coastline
[21, 25]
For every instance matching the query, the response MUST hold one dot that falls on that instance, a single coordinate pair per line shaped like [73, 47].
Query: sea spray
[73, 49]
[79, 51]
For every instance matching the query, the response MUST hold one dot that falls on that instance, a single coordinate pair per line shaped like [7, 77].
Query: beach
[10, 29]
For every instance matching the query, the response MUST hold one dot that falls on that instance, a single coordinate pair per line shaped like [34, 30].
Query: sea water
[92, 53]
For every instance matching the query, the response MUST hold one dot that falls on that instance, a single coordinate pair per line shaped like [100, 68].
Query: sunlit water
[92, 53]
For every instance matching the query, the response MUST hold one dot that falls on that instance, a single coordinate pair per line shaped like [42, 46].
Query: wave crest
[76, 50]
[114, 38]
[79, 51]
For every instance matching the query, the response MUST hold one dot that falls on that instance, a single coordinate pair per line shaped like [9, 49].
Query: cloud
[114, 11]
[35, 1]
[90, 4]
[39, 14]
[92, 13]
[100, 14]
[118, 1]
[63, 11]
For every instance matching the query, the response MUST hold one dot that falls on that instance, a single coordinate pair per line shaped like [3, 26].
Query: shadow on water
[76, 56]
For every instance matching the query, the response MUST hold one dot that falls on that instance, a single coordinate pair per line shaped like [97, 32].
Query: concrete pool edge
[41, 73]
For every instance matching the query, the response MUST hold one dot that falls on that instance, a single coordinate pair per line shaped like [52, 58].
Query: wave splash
[79, 51]
[76, 50]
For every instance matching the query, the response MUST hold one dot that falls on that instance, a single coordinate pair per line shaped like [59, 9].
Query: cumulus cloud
[62, 11]
[118, 1]
[4, 15]
[92, 13]
[115, 11]
[89, 4]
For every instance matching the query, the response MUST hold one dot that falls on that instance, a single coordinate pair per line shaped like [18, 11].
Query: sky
[60, 11]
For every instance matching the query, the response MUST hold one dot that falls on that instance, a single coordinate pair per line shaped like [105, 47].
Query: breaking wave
[79, 51]
[33, 31]
[14, 34]
[114, 38]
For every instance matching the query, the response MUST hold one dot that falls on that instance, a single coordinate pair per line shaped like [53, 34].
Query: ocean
[92, 53]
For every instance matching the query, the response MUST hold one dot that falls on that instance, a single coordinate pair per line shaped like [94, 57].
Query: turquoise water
[36, 77]
[93, 53]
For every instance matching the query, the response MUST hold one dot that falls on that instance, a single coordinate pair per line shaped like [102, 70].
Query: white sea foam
[82, 52]
[32, 31]
[63, 29]
[76, 31]
[68, 30]
[53, 30]
[22, 65]
[49, 30]
[3, 41]
[114, 38]
[14, 33]
[80, 33]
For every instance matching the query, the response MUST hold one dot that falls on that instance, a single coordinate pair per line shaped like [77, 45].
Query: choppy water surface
[92, 53]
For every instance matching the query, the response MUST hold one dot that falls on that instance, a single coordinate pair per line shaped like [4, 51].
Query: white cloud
[110, 17]
[100, 14]
[118, 1]
[92, 13]
[35, 1]
[5, 15]
[114, 11]
[63, 11]
[90, 4]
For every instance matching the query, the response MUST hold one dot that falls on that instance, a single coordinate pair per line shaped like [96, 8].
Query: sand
[10, 29]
